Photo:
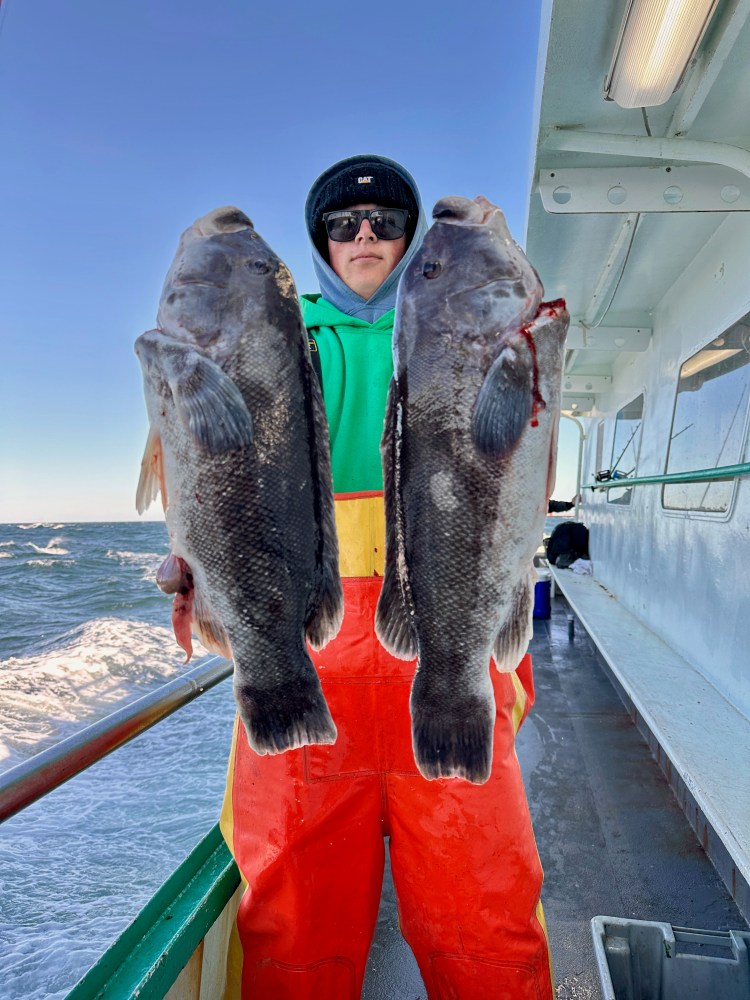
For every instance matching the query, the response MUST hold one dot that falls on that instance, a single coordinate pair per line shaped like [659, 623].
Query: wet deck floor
[610, 833]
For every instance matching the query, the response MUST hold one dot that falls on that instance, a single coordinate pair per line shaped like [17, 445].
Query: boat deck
[610, 833]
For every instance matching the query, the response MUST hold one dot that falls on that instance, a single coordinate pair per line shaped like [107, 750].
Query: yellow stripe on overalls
[360, 525]
[233, 986]
[519, 706]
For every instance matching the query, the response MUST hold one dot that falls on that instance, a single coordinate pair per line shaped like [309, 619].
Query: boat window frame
[601, 434]
[626, 504]
[689, 512]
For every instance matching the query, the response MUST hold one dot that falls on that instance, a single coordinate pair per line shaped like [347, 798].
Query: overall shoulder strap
[315, 358]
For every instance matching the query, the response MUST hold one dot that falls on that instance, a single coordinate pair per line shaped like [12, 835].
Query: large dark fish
[238, 446]
[469, 452]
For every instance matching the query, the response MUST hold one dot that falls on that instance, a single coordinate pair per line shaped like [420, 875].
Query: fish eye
[260, 266]
[432, 269]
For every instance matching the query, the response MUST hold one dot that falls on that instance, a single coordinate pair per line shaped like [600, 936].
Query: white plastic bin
[649, 960]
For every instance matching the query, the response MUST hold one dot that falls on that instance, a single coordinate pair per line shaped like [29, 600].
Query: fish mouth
[457, 211]
[467, 289]
[201, 282]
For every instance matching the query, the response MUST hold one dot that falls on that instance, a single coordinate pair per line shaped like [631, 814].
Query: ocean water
[84, 630]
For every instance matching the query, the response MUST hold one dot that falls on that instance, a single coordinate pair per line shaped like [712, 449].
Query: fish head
[224, 276]
[469, 276]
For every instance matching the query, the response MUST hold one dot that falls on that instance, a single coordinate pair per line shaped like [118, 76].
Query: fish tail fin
[452, 739]
[292, 714]
[515, 635]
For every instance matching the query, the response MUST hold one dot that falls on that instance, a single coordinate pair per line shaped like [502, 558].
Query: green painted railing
[698, 476]
[149, 955]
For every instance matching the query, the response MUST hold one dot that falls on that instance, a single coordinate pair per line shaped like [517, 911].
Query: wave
[147, 562]
[40, 524]
[88, 670]
[52, 548]
[6, 555]
[49, 562]
[7, 545]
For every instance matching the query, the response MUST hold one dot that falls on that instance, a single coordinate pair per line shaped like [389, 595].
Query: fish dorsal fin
[504, 404]
[211, 406]
[151, 480]
[327, 601]
[392, 617]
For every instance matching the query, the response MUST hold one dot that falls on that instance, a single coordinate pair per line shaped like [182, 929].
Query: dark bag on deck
[568, 542]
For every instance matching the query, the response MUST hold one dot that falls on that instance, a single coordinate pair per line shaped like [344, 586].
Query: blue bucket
[543, 598]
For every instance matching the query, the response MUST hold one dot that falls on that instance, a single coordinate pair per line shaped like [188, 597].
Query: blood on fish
[553, 308]
[182, 610]
[182, 617]
[537, 400]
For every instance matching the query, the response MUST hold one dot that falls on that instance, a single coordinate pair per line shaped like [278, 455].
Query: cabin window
[625, 448]
[708, 424]
[599, 446]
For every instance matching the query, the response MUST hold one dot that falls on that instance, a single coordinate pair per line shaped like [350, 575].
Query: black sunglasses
[386, 223]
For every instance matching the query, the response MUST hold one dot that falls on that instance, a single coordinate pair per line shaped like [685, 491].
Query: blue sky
[120, 123]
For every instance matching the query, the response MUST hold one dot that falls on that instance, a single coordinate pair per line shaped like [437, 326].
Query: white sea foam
[7, 545]
[52, 548]
[40, 524]
[50, 562]
[96, 666]
[147, 562]
[6, 555]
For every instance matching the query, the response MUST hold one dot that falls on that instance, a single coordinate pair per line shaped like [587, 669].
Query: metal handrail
[698, 476]
[31, 779]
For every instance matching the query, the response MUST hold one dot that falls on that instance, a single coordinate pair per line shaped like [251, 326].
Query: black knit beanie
[355, 180]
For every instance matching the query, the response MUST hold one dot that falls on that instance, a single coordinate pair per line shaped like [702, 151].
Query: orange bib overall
[307, 826]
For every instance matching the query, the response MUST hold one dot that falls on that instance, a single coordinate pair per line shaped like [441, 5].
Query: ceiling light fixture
[657, 40]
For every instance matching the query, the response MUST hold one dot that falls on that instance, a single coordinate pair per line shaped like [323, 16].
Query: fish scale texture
[242, 455]
[475, 349]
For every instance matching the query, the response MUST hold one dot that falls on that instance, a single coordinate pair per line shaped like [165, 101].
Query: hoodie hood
[332, 288]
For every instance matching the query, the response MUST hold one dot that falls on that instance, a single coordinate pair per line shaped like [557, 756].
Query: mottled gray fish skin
[238, 446]
[469, 451]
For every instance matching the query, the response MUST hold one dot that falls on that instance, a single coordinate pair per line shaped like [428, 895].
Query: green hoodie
[356, 361]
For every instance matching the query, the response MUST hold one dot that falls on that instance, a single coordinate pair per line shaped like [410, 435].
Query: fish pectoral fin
[151, 480]
[504, 404]
[210, 405]
[515, 635]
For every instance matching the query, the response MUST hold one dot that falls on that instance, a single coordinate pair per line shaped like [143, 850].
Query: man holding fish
[307, 825]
